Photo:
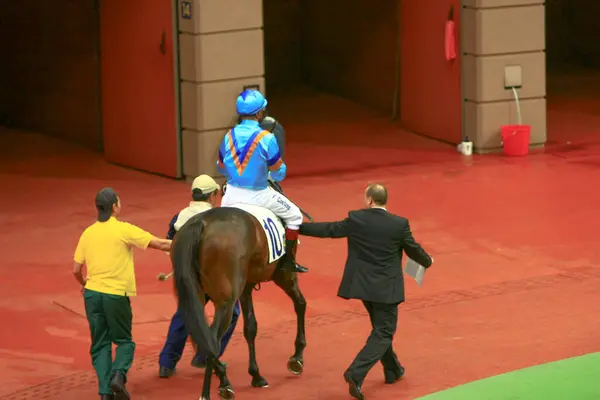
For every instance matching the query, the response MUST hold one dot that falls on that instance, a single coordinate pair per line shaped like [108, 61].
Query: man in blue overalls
[249, 156]
[205, 192]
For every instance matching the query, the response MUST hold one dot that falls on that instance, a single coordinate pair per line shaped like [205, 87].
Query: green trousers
[110, 320]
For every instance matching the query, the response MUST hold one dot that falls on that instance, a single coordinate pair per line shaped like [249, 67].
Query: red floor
[514, 284]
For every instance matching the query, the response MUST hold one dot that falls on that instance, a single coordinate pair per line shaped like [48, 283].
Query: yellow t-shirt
[105, 249]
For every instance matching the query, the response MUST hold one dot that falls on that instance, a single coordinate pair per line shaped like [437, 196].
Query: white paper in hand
[414, 270]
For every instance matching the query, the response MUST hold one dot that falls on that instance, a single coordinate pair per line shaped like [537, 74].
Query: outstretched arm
[135, 236]
[160, 244]
[333, 230]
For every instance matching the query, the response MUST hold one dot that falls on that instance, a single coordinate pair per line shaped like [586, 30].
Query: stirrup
[297, 268]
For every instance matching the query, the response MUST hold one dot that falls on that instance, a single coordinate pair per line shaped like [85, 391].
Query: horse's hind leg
[288, 282]
[250, 331]
[221, 323]
[207, 378]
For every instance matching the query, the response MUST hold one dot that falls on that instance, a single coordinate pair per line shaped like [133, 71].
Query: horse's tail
[186, 267]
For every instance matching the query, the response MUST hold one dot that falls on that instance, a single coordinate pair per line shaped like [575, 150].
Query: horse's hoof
[226, 393]
[260, 383]
[295, 366]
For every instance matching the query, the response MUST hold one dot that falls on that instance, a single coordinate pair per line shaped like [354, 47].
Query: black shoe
[117, 384]
[107, 397]
[353, 387]
[392, 377]
[290, 257]
[164, 372]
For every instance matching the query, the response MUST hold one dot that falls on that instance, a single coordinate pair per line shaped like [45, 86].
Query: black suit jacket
[376, 240]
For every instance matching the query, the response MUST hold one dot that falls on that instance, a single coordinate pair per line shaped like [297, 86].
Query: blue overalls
[178, 335]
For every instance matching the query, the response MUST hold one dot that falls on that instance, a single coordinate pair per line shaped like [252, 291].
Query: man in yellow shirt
[106, 249]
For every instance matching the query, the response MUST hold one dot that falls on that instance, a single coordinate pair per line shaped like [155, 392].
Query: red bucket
[516, 139]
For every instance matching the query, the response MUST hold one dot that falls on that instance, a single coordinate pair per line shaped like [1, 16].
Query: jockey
[248, 157]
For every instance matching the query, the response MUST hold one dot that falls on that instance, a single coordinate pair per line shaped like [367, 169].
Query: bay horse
[225, 253]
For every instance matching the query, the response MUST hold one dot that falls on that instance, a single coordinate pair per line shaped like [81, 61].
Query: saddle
[272, 184]
[273, 226]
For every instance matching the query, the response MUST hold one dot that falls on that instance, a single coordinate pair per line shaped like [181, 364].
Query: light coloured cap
[205, 183]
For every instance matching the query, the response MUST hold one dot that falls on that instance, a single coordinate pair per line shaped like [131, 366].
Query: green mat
[571, 379]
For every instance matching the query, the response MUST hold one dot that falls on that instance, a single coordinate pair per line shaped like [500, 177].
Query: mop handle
[518, 104]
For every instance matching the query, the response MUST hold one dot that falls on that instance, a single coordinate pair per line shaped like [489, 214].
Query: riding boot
[290, 257]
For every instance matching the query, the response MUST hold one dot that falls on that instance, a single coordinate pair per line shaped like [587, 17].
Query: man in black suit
[373, 274]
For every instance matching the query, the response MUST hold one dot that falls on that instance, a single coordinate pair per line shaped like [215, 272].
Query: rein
[277, 187]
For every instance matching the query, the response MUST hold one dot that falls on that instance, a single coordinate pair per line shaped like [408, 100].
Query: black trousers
[384, 319]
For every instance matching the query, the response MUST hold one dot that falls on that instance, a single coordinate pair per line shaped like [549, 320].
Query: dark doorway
[573, 70]
[97, 74]
[50, 69]
[333, 74]
[343, 48]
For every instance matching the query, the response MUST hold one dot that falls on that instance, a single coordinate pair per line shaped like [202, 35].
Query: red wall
[431, 99]
[138, 87]
[49, 69]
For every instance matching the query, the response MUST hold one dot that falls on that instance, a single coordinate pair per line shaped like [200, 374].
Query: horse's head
[268, 123]
[272, 125]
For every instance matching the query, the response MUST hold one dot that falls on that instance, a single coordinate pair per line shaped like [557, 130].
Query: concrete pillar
[220, 52]
[497, 34]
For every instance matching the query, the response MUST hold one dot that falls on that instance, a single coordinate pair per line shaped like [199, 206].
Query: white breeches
[268, 198]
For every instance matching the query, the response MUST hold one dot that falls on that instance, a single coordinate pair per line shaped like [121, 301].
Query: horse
[225, 253]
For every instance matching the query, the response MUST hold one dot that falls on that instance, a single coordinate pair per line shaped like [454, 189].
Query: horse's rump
[239, 244]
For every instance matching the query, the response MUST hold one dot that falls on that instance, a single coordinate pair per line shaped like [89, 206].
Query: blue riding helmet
[250, 102]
